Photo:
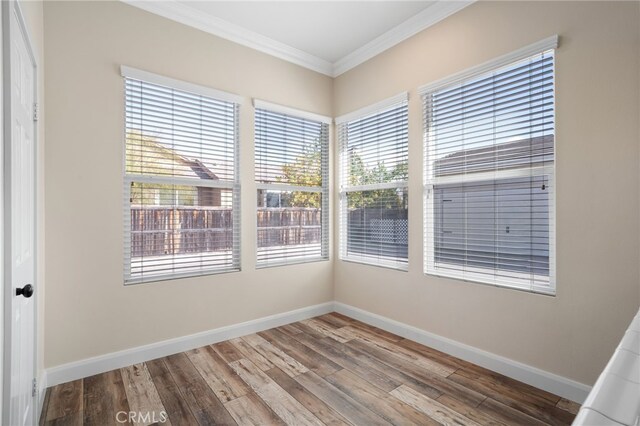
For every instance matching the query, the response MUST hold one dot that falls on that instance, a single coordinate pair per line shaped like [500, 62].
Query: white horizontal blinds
[181, 182]
[291, 172]
[373, 186]
[489, 176]
[197, 133]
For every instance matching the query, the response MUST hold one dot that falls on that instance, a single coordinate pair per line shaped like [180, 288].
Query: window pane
[181, 196]
[375, 148]
[377, 226]
[494, 228]
[291, 153]
[176, 133]
[374, 171]
[489, 172]
[500, 120]
[289, 226]
[179, 229]
[290, 150]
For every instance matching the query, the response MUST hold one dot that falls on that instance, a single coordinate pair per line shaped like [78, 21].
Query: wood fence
[288, 226]
[159, 230]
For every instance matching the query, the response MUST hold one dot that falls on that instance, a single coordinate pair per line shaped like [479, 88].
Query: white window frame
[345, 189]
[550, 43]
[234, 186]
[323, 190]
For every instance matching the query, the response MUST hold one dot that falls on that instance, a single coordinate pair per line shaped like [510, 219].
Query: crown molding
[184, 14]
[428, 17]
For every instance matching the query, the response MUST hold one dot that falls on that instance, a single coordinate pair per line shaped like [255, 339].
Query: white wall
[89, 311]
[598, 66]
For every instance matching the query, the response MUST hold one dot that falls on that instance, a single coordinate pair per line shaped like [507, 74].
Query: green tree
[359, 174]
[306, 170]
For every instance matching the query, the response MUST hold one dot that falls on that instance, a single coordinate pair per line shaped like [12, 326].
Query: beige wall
[574, 333]
[34, 20]
[89, 311]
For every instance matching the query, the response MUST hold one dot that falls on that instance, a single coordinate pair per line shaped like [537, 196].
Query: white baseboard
[533, 376]
[558, 385]
[100, 364]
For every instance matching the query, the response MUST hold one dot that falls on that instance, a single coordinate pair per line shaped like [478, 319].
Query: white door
[20, 224]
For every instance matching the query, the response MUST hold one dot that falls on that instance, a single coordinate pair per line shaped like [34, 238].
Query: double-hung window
[292, 180]
[489, 172]
[181, 212]
[373, 184]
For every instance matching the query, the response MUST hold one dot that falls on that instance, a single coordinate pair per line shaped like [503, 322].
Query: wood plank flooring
[329, 370]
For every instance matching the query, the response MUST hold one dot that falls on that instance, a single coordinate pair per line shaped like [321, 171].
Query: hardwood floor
[329, 370]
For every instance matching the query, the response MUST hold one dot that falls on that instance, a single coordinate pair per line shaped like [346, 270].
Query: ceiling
[330, 37]
[329, 31]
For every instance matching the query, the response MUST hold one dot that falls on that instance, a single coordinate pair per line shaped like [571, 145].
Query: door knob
[26, 291]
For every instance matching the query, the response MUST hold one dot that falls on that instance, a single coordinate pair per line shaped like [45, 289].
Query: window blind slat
[531, 78]
[489, 180]
[181, 225]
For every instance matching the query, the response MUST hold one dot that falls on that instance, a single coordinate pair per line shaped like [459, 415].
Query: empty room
[320, 212]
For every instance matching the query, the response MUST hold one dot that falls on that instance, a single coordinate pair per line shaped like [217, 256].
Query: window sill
[381, 263]
[146, 280]
[480, 277]
[265, 265]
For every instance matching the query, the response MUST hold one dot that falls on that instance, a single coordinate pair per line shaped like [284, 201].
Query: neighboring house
[206, 196]
[501, 156]
[168, 160]
[480, 221]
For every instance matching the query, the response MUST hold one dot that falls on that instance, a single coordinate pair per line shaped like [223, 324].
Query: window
[181, 179]
[291, 172]
[373, 184]
[489, 173]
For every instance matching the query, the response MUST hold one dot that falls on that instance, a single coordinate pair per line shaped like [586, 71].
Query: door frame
[10, 8]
